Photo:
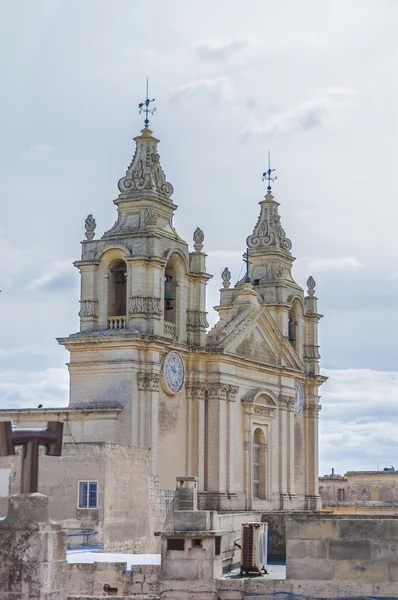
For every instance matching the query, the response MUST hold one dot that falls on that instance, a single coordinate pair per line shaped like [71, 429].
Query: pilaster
[311, 415]
[217, 437]
[148, 386]
[196, 397]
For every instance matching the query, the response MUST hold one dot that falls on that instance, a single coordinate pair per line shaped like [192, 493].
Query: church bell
[168, 293]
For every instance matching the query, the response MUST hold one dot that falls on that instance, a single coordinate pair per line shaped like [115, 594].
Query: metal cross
[267, 176]
[247, 263]
[145, 106]
[31, 440]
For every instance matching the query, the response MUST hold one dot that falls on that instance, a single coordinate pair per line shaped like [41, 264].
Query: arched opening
[295, 315]
[117, 292]
[170, 293]
[258, 464]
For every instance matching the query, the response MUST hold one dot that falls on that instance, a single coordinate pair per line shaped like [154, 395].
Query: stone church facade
[154, 396]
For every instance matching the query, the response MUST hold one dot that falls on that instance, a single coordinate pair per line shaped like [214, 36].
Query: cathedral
[154, 395]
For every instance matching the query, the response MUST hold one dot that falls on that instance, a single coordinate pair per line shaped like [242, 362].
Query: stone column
[232, 394]
[32, 551]
[217, 438]
[311, 414]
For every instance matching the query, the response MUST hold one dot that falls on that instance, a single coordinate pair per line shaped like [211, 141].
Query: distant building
[363, 491]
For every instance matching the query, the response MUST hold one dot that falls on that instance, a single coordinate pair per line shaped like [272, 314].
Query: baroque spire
[144, 174]
[268, 234]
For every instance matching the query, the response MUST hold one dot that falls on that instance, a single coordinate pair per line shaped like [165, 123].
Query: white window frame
[88, 481]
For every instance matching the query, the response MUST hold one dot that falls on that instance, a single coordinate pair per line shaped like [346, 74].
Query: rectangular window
[88, 494]
[341, 495]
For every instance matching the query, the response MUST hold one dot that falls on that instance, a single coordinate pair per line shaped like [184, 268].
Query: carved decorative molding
[196, 390]
[150, 217]
[284, 402]
[311, 352]
[312, 410]
[261, 410]
[88, 309]
[148, 381]
[145, 305]
[291, 405]
[233, 391]
[196, 318]
[268, 232]
[217, 391]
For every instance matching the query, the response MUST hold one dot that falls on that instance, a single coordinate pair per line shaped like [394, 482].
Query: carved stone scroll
[88, 308]
[196, 319]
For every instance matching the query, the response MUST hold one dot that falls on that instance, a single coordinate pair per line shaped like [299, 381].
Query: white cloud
[28, 350]
[29, 389]
[308, 115]
[343, 263]
[358, 420]
[219, 50]
[57, 276]
[215, 90]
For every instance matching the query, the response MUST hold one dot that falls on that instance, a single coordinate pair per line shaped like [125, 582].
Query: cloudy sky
[313, 81]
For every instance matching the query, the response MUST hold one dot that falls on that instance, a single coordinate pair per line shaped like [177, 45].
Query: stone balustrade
[117, 322]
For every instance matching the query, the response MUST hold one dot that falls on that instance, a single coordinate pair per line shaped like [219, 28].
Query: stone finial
[268, 232]
[226, 278]
[198, 238]
[90, 226]
[311, 286]
[150, 217]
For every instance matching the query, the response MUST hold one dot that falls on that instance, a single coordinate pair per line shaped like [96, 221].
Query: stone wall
[94, 579]
[342, 549]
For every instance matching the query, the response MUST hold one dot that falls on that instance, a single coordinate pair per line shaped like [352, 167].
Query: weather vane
[247, 263]
[267, 176]
[145, 106]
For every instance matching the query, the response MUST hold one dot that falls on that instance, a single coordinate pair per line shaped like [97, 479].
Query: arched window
[117, 290]
[258, 464]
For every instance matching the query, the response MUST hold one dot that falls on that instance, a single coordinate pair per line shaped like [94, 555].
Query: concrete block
[347, 550]
[361, 570]
[312, 529]
[297, 568]
[306, 548]
[192, 520]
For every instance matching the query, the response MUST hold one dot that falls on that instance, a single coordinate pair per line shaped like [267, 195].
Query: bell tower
[142, 292]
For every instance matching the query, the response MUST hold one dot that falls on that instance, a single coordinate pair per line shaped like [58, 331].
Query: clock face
[299, 398]
[173, 372]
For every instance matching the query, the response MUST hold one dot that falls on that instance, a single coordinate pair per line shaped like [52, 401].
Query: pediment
[259, 339]
[259, 396]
